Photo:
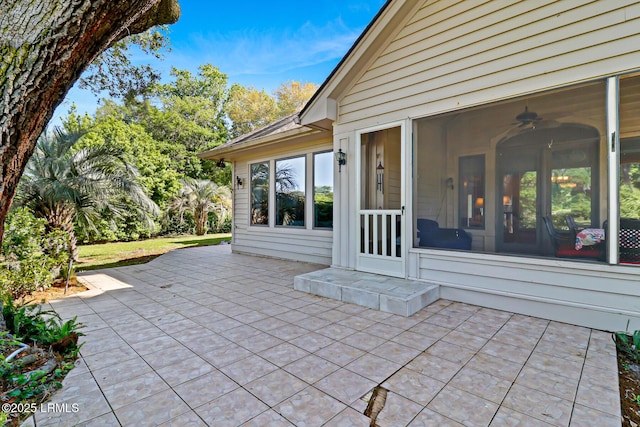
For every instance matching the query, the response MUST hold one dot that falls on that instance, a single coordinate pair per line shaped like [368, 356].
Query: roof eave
[228, 151]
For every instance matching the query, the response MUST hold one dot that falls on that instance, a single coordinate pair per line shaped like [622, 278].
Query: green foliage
[250, 108]
[43, 327]
[323, 207]
[159, 128]
[574, 199]
[202, 199]
[113, 70]
[292, 96]
[31, 256]
[191, 111]
[25, 386]
[629, 201]
[69, 182]
[628, 344]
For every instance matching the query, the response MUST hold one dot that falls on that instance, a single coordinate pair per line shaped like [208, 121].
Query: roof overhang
[229, 152]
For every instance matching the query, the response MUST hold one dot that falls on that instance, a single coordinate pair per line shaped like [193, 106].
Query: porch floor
[384, 293]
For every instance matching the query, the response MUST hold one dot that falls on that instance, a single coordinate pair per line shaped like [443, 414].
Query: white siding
[452, 55]
[594, 295]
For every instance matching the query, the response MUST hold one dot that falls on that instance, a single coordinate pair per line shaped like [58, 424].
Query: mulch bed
[629, 381]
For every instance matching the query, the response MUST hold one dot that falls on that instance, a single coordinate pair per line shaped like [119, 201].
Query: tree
[249, 109]
[44, 50]
[63, 185]
[186, 116]
[156, 172]
[114, 72]
[201, 197]
[292, 96]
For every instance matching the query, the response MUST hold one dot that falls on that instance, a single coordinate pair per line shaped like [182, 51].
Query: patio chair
[571, 223]
[564, 244]
[629, 245]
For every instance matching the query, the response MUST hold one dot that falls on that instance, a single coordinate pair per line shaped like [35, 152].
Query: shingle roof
[284, 124]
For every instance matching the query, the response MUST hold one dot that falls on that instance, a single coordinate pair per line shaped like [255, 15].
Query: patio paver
[203, 337]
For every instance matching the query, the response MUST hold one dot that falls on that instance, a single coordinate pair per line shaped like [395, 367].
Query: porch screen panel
[629, 180]
[489, 178]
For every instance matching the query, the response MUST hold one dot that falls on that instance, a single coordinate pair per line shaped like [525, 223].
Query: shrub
[30, 323]
[629, 344]
[31, 257]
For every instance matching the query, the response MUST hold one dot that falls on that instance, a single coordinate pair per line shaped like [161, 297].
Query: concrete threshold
[384, 293]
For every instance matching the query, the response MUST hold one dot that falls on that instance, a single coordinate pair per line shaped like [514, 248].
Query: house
[491, 147]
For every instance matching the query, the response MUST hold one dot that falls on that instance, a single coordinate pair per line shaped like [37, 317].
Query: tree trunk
[44, 48]
[61, 216]
[201, 218]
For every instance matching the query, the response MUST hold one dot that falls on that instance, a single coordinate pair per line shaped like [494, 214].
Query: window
[323, 190]
[290, 192]
[471, 192]
[260, 193]
[289, 189]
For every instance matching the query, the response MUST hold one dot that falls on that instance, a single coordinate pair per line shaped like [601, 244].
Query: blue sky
[257, 43]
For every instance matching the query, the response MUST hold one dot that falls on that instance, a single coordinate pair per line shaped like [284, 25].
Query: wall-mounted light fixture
[380, 177]
[221, 163]
[238, 181]
[341, 158]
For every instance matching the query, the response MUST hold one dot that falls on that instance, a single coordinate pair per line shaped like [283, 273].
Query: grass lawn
[118, 254]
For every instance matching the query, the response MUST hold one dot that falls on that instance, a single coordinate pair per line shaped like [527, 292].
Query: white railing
[380, 232]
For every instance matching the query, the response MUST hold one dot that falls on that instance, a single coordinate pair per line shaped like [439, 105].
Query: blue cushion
[431, 235]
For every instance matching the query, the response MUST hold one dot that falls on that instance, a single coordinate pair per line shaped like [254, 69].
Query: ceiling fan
[527, 118]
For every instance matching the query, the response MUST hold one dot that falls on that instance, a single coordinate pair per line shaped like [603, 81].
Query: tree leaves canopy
[45, 49]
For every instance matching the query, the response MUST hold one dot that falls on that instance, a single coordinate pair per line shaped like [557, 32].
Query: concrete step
[384, 293]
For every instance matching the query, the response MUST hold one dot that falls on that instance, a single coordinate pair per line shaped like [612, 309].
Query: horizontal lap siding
[469, 53]
[240, 199]
[555, 283]
[303, 246]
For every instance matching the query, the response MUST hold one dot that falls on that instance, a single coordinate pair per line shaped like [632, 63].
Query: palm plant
[65, 185]
[201, 197]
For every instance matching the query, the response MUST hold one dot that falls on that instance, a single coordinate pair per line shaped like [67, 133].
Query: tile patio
[203, 337]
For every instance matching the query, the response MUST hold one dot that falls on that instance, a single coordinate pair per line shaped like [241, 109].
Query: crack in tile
[376, 404]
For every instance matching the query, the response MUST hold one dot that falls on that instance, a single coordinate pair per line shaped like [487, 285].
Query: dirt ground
[56, 291]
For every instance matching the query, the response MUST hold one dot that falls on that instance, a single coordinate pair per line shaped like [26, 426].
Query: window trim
[268, 223]
[313, 189]
[275, 192]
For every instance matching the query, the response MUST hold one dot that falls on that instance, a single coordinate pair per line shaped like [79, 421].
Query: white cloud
[269, 51]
